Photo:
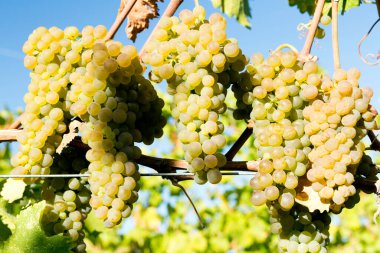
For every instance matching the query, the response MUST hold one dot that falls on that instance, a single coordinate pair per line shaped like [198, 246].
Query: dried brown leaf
[138, 19]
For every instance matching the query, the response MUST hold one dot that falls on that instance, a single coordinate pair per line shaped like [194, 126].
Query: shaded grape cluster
[300, 231]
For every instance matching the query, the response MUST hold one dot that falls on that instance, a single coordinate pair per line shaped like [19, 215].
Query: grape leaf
[309, 5]
[238, 9]
[5, 232]
[138, 19]
[28, 237]
[93, 224]
[13, 190]
[345, 5]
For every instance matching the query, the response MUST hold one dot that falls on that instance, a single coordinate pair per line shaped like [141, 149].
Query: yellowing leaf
[138, 19]
[13, 190]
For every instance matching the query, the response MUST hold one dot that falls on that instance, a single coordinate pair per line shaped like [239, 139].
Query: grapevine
[307, 127]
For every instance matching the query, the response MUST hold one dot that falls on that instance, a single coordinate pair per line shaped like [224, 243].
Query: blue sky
[272, 25]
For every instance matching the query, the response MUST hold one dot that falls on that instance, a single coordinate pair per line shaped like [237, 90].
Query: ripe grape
[202, 73]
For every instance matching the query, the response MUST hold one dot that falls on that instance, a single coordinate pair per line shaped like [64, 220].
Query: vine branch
[312, 30]
[120, 19]
[239, 143]
[375, 143]
[168, 165]
[334, 28]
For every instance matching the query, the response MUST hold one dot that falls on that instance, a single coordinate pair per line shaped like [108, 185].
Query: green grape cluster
[79, 75]
[67, 199]
[199, 63]
[336, 124]
[52, 55]
[299, 230]
[306, 126]
[122, 97]
[279, 89]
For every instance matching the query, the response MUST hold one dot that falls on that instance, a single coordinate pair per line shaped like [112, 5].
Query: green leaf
[326, 8]
[235, 8]
[29, 237]
[5, 232]
[216, 3]
[345, 5]
[244, 14]
[94, 224]
[231, 8]
[309, 5]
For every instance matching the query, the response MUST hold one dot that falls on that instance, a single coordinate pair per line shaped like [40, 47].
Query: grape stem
[334, 29]
[175, 183]
[120, 19]
[238, 143]
[375, 143]
[312, 30]
[282, 46]
[169, 11]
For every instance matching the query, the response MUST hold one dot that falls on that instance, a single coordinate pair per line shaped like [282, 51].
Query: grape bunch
[199, 63]
[111, 110]
[52, 55]
[306, 127]
[277, 90]
[299, 230]
[67, 199]
[336, 124]
[77, 75]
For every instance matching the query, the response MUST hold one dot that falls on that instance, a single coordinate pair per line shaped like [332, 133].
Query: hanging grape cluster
[198, 61]
[336, 125]
[78, 75]
[67, 198]
[308, 130]
[281, 87]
